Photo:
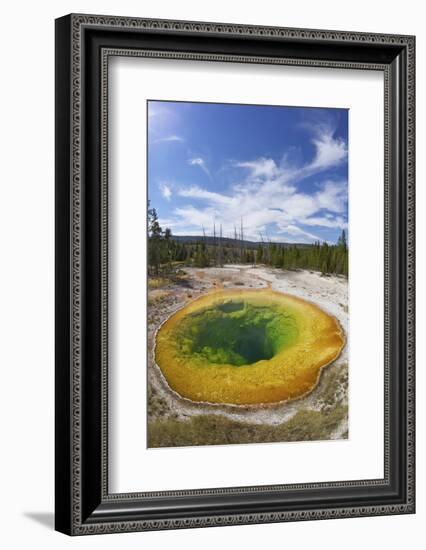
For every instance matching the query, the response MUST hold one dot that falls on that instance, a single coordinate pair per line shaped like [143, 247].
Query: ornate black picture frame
[84, 44]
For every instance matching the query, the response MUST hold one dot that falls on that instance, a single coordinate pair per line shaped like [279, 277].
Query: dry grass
[306, 425]
[333, 386]
[157, 282]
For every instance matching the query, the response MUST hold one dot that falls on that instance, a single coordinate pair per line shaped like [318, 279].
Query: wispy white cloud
[327, 221]
[330, 151]
[158, 109]
[191, 217]
[196, 192]
[198, 161]
[269, 197]
[166, 191]
[262, 167]
[297, 232]
[163, 123]
[333, 196]
[168, 139]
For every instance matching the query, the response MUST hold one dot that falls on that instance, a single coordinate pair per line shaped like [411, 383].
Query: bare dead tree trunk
[263, 247]
[269, 251]
[214, 243]
[235, 238]
[242, 241]
[220, 248]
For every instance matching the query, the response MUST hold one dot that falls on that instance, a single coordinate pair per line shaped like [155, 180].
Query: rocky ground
[322, 414]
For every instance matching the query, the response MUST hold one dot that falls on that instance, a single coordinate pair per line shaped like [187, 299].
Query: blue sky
[283, 171]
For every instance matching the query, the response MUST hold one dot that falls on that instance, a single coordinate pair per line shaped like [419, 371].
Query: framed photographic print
[234, 274]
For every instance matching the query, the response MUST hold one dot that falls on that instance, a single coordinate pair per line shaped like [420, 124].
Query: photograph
[234, 273]
[209, 287]
[247, 273]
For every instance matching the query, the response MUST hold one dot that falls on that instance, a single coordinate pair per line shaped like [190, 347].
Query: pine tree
[342, 241]
[154, 234]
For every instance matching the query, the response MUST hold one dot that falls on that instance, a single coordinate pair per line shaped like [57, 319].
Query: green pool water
[246, 347]
[236, 333]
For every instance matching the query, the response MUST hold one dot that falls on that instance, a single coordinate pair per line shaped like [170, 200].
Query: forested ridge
[166, 253]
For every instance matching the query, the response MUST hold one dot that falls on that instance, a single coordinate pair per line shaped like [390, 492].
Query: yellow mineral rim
[270, 347]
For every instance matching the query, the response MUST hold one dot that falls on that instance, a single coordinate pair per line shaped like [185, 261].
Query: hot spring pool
[246, 347]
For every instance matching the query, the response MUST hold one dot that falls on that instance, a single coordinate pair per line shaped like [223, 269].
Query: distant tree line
[165, 253]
